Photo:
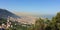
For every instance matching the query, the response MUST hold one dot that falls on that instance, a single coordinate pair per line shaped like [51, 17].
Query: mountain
[5, 13]
[22, 19]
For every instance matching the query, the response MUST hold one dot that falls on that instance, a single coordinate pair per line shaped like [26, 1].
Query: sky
[31, 6]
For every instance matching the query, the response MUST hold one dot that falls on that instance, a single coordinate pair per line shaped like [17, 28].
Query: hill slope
[4, 13]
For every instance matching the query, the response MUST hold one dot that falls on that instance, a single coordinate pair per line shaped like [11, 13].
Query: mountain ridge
[5, 13]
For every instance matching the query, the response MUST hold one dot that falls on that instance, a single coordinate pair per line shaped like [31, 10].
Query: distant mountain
[5, 13]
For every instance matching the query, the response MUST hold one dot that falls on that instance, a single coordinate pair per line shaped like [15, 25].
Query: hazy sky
[32, 6]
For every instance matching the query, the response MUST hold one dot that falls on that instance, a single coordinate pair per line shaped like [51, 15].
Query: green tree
[57, 18]
[55, 21]
[39, 24]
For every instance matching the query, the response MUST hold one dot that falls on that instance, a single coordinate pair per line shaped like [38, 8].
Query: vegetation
[40, 24]
[46, 24]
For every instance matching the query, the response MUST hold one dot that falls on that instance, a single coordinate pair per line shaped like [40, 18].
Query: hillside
[5, 13]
